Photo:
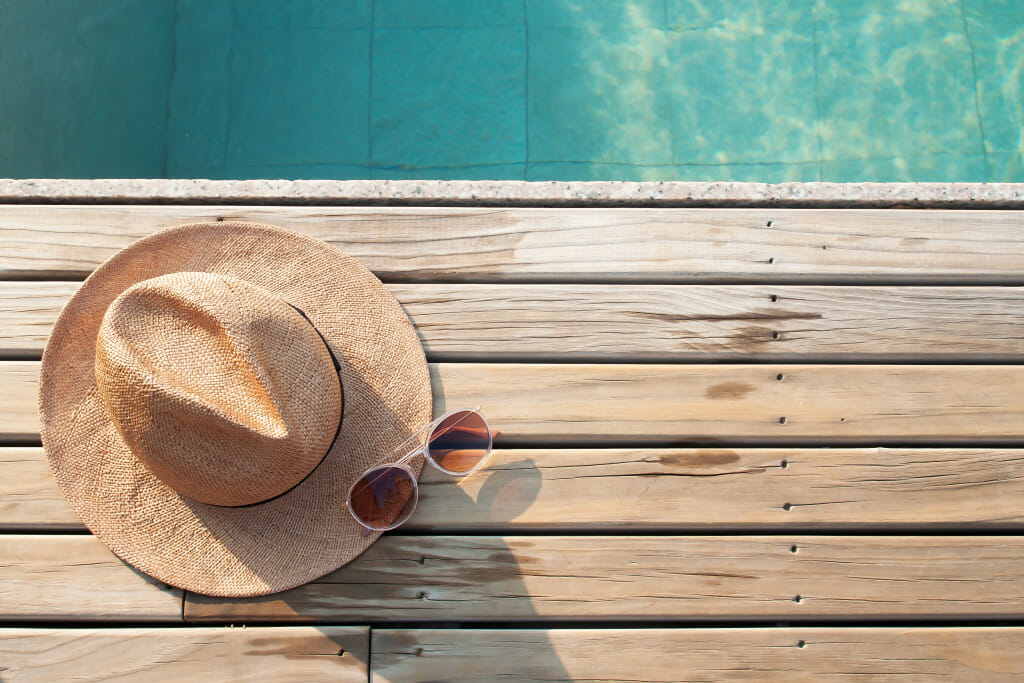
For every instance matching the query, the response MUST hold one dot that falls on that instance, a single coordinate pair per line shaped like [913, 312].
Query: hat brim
[268, 547]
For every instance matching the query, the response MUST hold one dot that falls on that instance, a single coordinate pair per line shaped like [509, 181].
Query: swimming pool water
[758, 90]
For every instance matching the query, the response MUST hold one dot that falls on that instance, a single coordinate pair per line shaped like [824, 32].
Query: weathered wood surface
[708, 404]
[29, 497]
[19, 390]
[637, 578]
[677, 245]
[662, 655]
[50, 578]
[654, 322]
[172, 655]
[706, 489]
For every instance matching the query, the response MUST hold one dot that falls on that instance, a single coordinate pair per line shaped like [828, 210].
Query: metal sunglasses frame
[424, 450]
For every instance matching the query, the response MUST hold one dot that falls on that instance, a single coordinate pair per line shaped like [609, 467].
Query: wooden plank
[654, 322]
[670, 655]
[28, 311]
[46, 578]
[713, 322]
[541, 404]
[716, 489]
[491, 578]
[213, 655]
[521, 244]
[29, 497]
[19, 406]
[692, 489]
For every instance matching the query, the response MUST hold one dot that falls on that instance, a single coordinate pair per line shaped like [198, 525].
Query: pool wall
[515, 193]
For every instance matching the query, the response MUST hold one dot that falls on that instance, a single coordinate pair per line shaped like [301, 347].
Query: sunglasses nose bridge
[422, 450]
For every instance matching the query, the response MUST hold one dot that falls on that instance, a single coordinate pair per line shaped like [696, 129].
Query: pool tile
[447, 13]
[433, 106]
[1007, 12]
[581, 171]
[290, 14]
[1006, 167]
[754, 173]
[84, 88]
[745, 95]
[604, 98]
[595, 15]
[803, 172]
[684, 15]
[298, 97]
[472, 172]
[997, 38]
[895, 82]
[197, 124]
[305, 171]
[943, 167]
[764, 173]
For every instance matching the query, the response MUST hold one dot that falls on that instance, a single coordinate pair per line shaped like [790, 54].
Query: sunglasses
[385, 495]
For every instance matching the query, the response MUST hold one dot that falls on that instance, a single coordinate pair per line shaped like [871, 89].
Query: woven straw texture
[160, 378]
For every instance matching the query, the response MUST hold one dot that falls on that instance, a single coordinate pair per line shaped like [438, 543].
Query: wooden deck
[736, 444]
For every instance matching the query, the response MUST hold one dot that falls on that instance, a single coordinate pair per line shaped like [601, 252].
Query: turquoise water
[759, 90]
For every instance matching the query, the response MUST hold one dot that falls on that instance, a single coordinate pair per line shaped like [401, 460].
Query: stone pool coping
[516, 193]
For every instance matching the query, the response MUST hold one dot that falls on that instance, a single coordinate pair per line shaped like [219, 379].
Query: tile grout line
[974, 75]
[369, 92]
[526, 95]
[229, 67]
[817, 100]
[170, 84]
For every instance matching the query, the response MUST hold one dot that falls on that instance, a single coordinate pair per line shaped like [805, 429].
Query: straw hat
[211, 393]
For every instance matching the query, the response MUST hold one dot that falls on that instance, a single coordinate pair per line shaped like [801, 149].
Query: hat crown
[223, 390]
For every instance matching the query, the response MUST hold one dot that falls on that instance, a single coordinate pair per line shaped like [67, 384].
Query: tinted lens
[384, 497]
[460, 442]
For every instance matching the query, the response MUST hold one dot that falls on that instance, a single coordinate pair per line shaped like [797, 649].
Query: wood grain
[490, 578]
[29, 497]
[495, 244]
[19, 407]
[212, 655]
[613, 404]
[654, 322]
[49, 578]
[785, 655]
[586, 490]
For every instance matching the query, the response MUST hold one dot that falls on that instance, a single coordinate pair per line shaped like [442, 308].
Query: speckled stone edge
[515, 193]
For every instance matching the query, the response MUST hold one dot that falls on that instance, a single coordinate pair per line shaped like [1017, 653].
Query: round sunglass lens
[460, 442]
[384, 497]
